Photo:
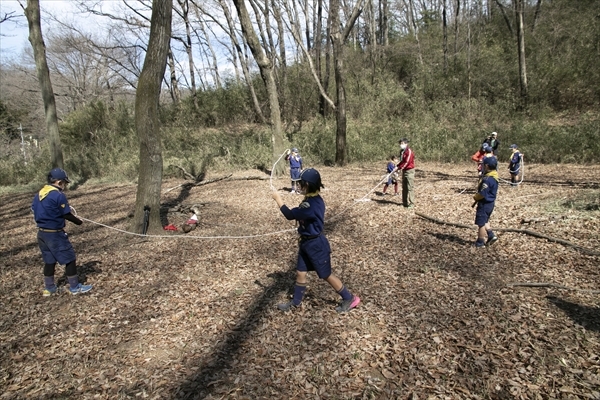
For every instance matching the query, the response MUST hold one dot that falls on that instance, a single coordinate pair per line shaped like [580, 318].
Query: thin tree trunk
[456, 15]
[32, 12]
[338, 38]
[266, 71]
[519, 6]
[238, 51]
[175, 95]
[506, 19]
[536, 15]
[385, 25]
[188, 49]
[146, 118]
[445, 34]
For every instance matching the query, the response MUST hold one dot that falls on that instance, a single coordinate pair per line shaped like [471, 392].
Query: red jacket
[407, 159]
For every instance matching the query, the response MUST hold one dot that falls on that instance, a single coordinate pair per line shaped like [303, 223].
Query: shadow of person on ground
[588, 317]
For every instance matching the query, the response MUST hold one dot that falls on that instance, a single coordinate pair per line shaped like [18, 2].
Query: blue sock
[49, 282]
[345, 293]
[299, 291]
[480, 241]
[73, 281]
[490, 234]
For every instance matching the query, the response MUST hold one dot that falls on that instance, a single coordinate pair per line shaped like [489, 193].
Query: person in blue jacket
[50, 211]
[514, 167]
[392, 175]
[295, 168]
[485, 198]
[314, 253]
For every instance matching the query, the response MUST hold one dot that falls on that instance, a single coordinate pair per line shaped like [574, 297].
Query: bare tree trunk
[536, 15]
[385, 25]
[456, 15]
[32, 12]
[519, 6]
[213, 54]
[175, 95]
[230, 29]
[338, 38]
[146, 118]
[416, 30]
[506, 19]
[184, 4]
[445, 36]
[266, 71]
[282, 59]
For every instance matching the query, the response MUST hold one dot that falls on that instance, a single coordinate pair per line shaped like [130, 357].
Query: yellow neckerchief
[493, 174]
[45, 190]
[307, 195]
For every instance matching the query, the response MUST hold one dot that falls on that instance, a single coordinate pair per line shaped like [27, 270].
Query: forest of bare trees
[284, 64]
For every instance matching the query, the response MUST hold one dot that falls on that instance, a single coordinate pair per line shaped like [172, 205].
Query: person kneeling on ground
[314, 253]
[485, 198]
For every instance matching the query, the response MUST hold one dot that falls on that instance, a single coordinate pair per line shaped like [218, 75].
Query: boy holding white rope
[314, 253]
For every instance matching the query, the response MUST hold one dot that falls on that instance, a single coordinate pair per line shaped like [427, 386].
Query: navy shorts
[295, 173]
[483, 214]
[315, 255]
[55, 247]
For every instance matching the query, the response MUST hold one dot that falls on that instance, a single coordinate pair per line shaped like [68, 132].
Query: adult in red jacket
[407, 167]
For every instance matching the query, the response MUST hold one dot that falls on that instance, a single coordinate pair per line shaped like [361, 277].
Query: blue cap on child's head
[514, 146]
[58, 174]
[294, 150]
[491, 162]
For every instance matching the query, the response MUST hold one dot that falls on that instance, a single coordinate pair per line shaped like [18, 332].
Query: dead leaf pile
[195, 316]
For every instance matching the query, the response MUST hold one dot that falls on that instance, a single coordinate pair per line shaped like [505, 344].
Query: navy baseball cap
[487, 148]
[492, 162]
[58, 174]
[514, 146]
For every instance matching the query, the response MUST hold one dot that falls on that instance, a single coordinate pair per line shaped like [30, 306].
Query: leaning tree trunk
[146, 118]
[266, 71]
[32, 12]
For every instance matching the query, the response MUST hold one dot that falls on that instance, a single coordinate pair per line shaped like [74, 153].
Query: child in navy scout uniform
[50, 210]
[295, 168]
[314, 253]
[514, 168]
[393, 175]
[485, 199]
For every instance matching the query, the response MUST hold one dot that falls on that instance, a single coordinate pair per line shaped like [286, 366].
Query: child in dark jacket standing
[485, 198]
[50, 210]
[295, 168]
[393, 175]
[314, 253]
[514, 168]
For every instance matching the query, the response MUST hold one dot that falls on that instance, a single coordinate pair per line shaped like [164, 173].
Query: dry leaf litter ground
[185, 317]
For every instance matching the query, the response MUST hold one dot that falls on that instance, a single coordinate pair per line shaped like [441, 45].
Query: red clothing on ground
[407, 159]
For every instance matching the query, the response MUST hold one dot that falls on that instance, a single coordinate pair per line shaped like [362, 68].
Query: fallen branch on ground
[524, 231]
[550, 285]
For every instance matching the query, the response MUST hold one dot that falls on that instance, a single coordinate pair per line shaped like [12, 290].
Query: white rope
[187, 236]
[273, 168]
[236, 237]
[522, 168]
[362, 198]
